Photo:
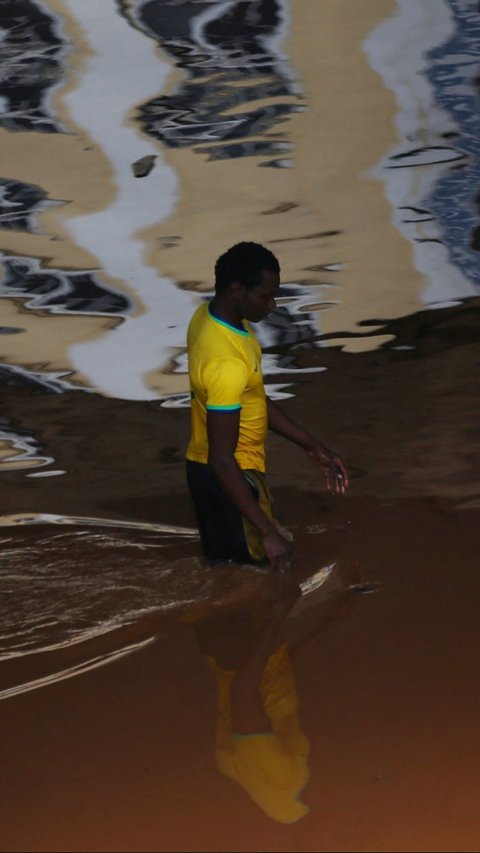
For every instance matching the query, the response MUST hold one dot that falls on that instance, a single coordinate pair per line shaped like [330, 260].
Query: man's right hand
[278, 550]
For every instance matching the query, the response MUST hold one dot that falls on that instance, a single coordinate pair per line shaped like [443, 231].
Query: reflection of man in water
[259, 741]
[231, 416]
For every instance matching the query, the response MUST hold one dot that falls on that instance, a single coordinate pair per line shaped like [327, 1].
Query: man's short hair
[245, 263]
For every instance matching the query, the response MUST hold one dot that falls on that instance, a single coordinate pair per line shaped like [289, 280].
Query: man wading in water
[231, 416]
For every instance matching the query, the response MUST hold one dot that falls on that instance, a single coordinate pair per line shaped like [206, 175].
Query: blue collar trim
[227, 325]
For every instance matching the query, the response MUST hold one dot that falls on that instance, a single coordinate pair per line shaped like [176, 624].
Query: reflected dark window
[25, 447]
[18, 202]
[30, 53]
[58, 291]
[223, 49]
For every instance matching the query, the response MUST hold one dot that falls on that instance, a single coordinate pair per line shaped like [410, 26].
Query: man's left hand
[335, 473]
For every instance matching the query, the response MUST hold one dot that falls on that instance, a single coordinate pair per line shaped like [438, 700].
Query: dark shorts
[226, 536]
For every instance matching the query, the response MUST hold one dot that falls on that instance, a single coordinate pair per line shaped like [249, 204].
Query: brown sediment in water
[384, 653]
[123, 757]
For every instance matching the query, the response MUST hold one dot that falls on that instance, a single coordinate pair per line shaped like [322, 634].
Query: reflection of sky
[117, 362]
[454, 69]
[426, 156]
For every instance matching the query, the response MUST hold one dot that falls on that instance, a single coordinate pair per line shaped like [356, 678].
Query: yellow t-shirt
[224, 365]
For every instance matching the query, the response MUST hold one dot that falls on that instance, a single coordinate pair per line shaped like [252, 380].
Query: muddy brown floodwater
[384, 653]
[148, 703]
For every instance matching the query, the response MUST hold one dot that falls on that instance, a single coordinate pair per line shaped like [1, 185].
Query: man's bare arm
[335, 473]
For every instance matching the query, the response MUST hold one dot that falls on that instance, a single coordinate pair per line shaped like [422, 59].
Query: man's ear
[236, 289]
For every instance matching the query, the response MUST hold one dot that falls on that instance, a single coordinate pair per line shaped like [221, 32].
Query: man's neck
[224, 311]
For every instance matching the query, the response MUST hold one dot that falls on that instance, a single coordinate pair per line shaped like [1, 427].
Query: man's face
[260, 300]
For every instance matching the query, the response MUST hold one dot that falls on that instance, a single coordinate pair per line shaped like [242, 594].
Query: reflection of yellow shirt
[224, 365]
[272, 767]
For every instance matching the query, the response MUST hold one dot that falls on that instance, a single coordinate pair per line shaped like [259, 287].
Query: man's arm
[222, 431]
[335, 473]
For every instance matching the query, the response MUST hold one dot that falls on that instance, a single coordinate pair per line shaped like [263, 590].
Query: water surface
[139, 140]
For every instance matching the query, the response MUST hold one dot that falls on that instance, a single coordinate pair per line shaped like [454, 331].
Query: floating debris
[364, 588]
[142, 167]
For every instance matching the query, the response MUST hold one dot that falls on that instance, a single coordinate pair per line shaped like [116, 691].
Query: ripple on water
[67, 581]
[95, 576]
[64, 587]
